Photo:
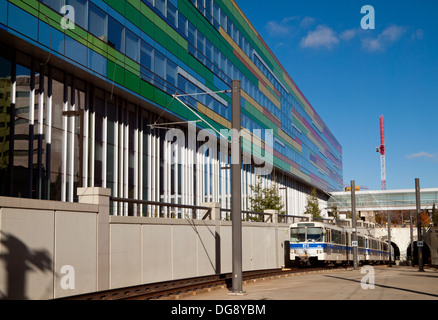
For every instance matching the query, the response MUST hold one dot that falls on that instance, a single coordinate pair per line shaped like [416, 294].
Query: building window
[132, 46]
[81, 12]
[54, 4]
[97, 22]
[116, 34]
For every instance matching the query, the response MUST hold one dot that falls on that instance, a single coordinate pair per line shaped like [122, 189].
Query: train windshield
[308, 234]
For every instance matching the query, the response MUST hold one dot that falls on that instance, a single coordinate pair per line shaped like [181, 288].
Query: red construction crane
[381, 149]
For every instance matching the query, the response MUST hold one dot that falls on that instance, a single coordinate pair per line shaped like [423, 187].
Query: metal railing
[251, 216]
[155, 209]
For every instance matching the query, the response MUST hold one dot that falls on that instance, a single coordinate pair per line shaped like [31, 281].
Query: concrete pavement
[396, 283]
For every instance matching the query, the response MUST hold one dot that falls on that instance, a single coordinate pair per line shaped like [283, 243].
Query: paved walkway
[396, 283]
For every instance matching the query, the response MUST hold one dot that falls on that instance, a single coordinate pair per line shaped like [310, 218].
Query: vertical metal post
[236, 215]
[389, 241]
[354, 226]
[412, 239]
[420, 237]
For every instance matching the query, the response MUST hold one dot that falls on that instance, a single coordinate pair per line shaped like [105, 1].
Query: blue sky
[352, 76]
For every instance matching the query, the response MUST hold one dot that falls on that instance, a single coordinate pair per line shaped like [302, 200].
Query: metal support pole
[412, 239]
[354, 226]
[236, 206]
[389, 241]
[420, 237]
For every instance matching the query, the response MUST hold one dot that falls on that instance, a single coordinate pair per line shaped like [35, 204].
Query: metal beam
[236, 205]
[354, 224]
[420, 237]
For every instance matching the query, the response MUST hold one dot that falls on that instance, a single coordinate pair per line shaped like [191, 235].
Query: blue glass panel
[182, 24]
[3, 11]
[147, 56]
[53, 39]
[160, 66]
[116, 34]
[132, 46]
[81, 12]
[97, 22]
[23, 22]
[75, 51]
[171, 72]
[96, 62]
[54, 4]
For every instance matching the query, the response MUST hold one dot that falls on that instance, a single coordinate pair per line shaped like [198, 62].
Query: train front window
[298, 235]
[306, 234]
[314, 234]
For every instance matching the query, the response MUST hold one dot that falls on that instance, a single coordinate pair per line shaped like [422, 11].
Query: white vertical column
[104, 143]
[150, 143]
[157, 170]
[64, 145]
[121, 158]
[208, 173]
[140, 160]
[177, 158]
[92, 155]
[136, 170]
[72, 144]
[166, 174]
[85, 142]
[126, 159]
[116, 157]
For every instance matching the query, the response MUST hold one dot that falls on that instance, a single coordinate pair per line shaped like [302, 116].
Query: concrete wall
[38, 238]
[145, 250]
[53, 249]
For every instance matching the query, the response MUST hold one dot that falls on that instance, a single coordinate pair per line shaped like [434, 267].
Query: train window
[306, 234]
[361, 241]
[298, 235]
[314, 234]
[336, 237]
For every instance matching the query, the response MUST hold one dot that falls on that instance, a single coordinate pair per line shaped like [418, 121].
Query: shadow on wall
[18, 260]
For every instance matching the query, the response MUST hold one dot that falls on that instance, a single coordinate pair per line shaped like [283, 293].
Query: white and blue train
[315, 243]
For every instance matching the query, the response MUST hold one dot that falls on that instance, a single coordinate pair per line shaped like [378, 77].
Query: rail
[166, 289]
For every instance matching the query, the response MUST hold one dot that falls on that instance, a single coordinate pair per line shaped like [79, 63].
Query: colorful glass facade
[104, 82]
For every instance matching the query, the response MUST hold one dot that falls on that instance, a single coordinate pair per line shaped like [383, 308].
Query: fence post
[101, 197]
[215, 212]
[273, 216]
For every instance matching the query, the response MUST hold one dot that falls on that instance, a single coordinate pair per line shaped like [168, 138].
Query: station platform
[390, 283]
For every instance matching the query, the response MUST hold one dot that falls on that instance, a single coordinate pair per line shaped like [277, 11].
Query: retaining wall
[52, 249]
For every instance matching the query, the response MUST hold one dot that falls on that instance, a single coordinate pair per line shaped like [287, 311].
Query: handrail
[163, 204]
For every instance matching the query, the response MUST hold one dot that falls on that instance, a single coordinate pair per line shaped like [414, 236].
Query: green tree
[334, 211]
[312, 206]
[267, 198]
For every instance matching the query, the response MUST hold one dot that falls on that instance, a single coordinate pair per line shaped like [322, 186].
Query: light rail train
[316, 243]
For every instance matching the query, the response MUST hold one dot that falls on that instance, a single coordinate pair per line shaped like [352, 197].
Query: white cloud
[423, 154]
[288, 26]
[276, 29]
[385, 39]
[347, 35]
[307, 22]
[322, 37]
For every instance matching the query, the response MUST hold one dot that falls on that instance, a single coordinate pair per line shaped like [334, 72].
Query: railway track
[168, 288]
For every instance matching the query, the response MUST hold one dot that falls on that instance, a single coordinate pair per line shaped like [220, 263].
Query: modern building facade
[86, 99]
